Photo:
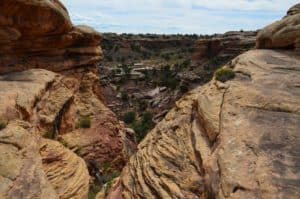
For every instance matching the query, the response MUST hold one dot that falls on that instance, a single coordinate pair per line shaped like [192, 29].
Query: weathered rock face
[48, 120]
[55, 105]
[284, 33]
[238, 139]
[33, 167]
[223, 47]
[39, 34]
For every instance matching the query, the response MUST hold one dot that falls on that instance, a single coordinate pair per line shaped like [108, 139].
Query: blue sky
[176, 16]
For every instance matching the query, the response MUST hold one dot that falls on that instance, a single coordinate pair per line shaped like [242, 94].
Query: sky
[176, 16]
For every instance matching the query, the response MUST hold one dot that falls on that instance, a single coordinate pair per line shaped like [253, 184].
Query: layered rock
[237, 139]
[33, 167]
[223, 47]
[39, 34]
[55, 105]
[284, 33]
[48, 119]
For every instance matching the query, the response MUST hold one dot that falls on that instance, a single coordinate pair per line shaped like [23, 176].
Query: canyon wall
[56, 134]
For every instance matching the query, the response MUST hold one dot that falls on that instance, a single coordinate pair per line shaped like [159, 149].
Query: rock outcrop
[284, 33]
[54, 127]
[39, 34]
[237, 139]
[223, 47]
[34, 167]
[54, 105]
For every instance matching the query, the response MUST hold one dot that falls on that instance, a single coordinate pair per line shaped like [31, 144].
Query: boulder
[40, 34]
[284, 33]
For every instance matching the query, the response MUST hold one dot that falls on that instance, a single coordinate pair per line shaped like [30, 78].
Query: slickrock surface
[284, 33]
[39, 34]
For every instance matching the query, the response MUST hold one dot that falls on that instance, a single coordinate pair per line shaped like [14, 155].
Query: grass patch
[63, 142]
[84, 122]
[49, 135]
[93, 191]
[129, 117]
[224, 74]
[142, 126]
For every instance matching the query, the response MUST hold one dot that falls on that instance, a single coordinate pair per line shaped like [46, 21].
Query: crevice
[47, 88]
[24, 113]
[243, 73]
[203, 126]
[10, 143]
[238, 188]
[216, 141]
[271, 109]
[193, 141]
[252, 148]
[288, 69]
[257, 65]
[59, 117]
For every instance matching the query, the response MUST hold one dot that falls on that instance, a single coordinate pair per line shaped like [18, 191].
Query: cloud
[176, 16]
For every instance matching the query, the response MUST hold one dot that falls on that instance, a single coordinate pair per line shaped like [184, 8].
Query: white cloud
[172, 16]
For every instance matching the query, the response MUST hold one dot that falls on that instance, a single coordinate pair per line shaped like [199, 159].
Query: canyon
[228, 127]
[146, 74]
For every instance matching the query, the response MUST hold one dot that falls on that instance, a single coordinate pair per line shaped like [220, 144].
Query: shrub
[124, 97]
[110, 176]
[129, 117]
[143, 105]
[127, 70]
[216, 61]
[93, 191]
[224, 74]
[147, 118]
[49, 134]
[85, 122]
[166, 57]
[3, 124]
[142, 127]
[184, 88]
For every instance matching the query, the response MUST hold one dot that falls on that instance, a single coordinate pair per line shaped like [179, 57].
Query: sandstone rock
[284, 33]
[38, 103]
[236, 140]
[54, 158]
[294, 10]
[221, 47]
[32, 167]
[39, 34]
[55, 105]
